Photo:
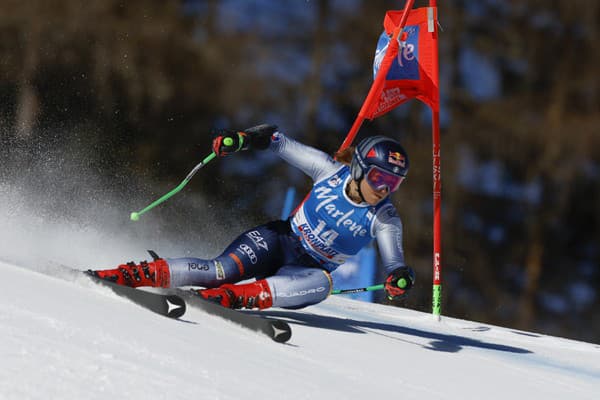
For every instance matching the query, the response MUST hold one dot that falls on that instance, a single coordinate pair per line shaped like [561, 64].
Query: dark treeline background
[135, 87]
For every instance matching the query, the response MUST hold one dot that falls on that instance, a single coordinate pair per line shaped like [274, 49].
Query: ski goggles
[380, 179]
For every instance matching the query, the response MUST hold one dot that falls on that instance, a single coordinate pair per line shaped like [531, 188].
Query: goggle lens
[379, 179]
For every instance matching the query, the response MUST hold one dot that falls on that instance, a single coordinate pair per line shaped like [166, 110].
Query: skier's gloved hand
[259, 137]
[226, 142]
[399, 282]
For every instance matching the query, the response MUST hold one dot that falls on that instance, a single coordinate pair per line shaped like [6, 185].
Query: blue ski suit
[297, 255]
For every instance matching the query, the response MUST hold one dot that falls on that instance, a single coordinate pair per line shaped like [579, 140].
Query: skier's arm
[388, 231]
[312, 162]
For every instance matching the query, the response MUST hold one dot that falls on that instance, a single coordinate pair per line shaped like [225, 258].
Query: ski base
[276, 329]
[168, 305]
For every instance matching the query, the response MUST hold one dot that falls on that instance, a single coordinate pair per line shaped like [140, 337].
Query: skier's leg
[256, 251]
[291, 287]
[297, 286]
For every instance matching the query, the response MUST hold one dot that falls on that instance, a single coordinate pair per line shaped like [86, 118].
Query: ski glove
[399, 282]
[226, 142]
[259, 137]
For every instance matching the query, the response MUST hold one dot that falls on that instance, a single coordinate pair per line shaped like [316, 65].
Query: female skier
[291, 260]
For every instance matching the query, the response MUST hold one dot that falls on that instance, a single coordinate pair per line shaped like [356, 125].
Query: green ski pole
[358, 290]
[401, 284]
[135, 216]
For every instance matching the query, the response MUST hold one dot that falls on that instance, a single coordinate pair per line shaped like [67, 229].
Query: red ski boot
[155, 273]
[249, 295]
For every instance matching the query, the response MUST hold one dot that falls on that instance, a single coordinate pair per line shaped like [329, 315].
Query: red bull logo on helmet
[396, 158]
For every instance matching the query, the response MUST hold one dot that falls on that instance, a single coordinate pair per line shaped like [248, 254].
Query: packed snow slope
[67, 338]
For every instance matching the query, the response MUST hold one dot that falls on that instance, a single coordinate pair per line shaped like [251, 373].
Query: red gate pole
[437, 174]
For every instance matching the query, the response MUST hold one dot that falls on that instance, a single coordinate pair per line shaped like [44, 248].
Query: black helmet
[379, 153]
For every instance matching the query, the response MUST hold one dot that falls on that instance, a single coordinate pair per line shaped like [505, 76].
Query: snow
[67, 338]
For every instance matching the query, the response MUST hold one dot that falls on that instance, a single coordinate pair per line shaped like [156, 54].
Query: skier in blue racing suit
[346, 209]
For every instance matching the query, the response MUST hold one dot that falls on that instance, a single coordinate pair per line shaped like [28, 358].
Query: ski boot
[249, 295]
[155, 273]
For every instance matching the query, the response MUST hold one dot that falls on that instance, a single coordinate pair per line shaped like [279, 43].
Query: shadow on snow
[439, 341]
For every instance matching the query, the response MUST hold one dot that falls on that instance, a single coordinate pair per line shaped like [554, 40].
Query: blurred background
[106, 105]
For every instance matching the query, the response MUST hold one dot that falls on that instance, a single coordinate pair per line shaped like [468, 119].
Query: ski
[276, 329]
[168, 305]
[173, 302]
